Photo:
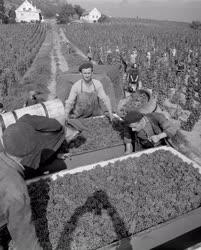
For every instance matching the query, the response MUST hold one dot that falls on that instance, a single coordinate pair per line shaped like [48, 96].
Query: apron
[87, 104]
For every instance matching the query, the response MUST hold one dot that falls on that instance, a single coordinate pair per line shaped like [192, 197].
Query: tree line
[6, 15]
[64, 12]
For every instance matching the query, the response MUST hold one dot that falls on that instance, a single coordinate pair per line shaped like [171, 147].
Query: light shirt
[80, 86]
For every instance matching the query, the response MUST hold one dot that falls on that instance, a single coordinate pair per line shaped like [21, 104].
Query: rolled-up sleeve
[102, 95]
[166, 125]
[72, 97]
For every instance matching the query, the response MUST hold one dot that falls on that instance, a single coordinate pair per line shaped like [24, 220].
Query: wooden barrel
[52, 109]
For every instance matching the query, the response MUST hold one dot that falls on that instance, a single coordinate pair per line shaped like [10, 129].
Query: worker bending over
[85, 95]
[29, 142]
[146, 130]
[15, 201]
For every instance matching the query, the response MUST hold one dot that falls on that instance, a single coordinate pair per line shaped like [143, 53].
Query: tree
[66, 13]
[2, 8]
[78, 10]
[2, 11]
[195, 25]
[12, 15]
[103, 19]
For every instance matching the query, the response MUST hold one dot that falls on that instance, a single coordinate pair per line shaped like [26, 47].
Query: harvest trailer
[99, 159]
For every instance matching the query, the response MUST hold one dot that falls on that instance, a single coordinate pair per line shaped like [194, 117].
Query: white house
[91, 16]
[26, 12]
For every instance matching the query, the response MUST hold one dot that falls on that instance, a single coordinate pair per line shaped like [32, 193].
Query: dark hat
[133, 117]
[19, 139]
[86, 65]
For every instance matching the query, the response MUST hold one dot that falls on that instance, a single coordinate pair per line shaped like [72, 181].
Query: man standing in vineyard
[133, 56]
[109, 56]
[85, 94]
[148, 59]
[133, 78]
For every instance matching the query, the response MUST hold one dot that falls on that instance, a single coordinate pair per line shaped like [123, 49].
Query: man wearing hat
[85, 95]
[15, 201]
[147, 130]
[30, 141]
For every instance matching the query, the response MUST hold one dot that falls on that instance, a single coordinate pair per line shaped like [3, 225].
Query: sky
[175, 10]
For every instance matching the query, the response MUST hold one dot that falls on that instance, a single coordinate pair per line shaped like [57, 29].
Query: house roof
[27, 4]
[85, 13]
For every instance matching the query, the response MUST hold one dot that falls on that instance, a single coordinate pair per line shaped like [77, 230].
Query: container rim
[89, 167]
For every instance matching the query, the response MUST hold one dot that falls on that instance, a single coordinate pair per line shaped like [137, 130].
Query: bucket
[52, 109]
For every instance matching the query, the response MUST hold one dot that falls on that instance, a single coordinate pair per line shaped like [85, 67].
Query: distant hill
[176, 10]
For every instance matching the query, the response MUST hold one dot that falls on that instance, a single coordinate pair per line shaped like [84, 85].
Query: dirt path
[58, 62]
[52, 84]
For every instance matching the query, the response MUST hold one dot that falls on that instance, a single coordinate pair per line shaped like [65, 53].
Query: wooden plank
[159, 235]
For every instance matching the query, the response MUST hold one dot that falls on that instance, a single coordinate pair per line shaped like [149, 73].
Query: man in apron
[85, 94]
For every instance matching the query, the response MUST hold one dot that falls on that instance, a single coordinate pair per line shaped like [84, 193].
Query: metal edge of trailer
[80, 159]
[160, 234]
[94, 156]
[103, 162]
[154, 236]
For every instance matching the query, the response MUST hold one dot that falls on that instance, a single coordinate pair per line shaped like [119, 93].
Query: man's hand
[111, 117]
[63, 156]
[154, 138]
[129, 149]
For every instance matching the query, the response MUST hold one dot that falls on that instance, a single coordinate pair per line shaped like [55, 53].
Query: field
[157, 38]
[19, 45]
[85, 209]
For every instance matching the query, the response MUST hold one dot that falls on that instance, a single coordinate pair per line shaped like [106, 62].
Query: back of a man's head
[19, 139]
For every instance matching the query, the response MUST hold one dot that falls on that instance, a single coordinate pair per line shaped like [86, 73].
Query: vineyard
[158, 38]
[101, 205]
[19, 45]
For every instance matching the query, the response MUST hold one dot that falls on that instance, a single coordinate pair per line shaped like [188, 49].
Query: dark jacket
[15, 208]
[158, 123]
[50, 135]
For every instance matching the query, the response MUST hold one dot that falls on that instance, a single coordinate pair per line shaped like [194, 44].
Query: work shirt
[80, 86]
[15, 205]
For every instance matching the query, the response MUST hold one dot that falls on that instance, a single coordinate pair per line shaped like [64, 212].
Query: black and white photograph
[100, 124]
